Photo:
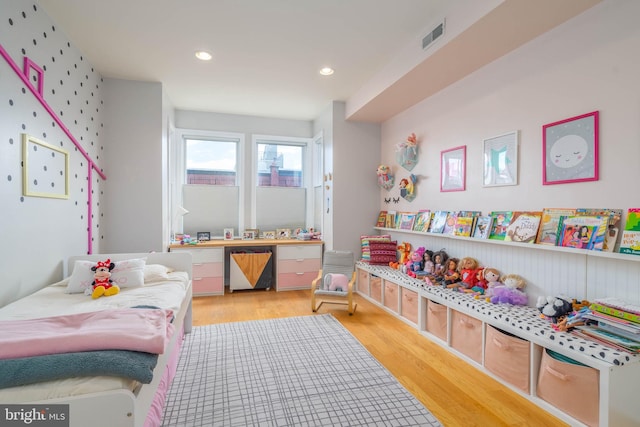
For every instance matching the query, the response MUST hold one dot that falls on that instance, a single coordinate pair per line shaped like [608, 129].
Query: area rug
[296, 371]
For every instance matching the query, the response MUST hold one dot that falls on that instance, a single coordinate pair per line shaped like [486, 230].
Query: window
[280, 164]
[211, 161]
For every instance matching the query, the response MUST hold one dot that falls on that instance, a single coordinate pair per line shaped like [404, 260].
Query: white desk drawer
[299, 251]
[204, 255]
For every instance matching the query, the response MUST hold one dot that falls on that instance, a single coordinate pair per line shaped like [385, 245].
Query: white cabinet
[486, 335]
[297, 266]
[208, 270]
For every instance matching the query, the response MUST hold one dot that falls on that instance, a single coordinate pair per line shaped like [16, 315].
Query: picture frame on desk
[248, 235]
[203, 236]
[283, 233]
[255, 231]
[228, 234]
[270, 235]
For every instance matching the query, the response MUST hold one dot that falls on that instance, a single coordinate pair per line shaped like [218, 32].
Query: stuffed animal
[510, 292]
[405, 249]
[102, 283]
[554, 308]
[336, 282]
[414, 265]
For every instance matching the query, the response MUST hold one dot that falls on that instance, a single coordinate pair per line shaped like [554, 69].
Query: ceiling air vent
[437, 32]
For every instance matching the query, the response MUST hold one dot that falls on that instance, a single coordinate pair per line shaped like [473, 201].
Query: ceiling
[267, 53]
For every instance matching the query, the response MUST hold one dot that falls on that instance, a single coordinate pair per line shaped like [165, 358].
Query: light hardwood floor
[457, 393]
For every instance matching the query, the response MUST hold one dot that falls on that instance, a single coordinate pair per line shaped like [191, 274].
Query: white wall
[590, 63]
[133, 203]
[39, 233]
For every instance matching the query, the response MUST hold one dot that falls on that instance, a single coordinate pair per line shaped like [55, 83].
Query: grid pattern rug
[296, 371]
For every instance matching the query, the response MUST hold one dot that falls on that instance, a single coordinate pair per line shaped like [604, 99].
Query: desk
[296, 262]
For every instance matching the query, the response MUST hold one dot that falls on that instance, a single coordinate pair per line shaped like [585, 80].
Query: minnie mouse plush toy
[102, 283]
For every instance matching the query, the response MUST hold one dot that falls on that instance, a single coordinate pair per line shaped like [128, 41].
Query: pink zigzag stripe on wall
[38, 93]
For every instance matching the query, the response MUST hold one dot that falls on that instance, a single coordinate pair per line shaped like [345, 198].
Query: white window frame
[307, 171]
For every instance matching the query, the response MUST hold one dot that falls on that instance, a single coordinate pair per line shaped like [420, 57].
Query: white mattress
[53, 301]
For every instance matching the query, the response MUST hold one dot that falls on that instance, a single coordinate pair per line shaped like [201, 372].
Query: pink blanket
[136, 329]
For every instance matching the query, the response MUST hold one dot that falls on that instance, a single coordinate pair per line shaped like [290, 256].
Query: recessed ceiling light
[326, 71]
[203, 55]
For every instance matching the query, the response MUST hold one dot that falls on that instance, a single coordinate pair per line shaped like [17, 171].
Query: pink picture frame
[570, 150]
[453, 165]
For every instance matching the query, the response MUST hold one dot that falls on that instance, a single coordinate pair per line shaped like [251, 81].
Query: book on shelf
[548, 229]
[630, 241]
[464, 226]
[612, 231]
[406, 220]
[614, 323]
[582, 232]
[391, 220]
[423, 218]
[610, 337]
[450, 223]
[482, 227]
[501, 220]
[382, 219]
[523, 227]
[438, 221]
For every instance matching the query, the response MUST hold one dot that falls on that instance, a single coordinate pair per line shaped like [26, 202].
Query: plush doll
[480, 284]
[492, 277]
[102, 283]
[451, 277]
[554, 308]
[336, 282]
[414, 265]
[510, 292]
[467, 267]
[385, 180]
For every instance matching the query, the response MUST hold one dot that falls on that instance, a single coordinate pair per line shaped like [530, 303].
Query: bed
[107, 399]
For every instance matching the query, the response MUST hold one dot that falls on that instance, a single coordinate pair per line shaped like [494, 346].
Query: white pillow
[126, 274]
[155, 273]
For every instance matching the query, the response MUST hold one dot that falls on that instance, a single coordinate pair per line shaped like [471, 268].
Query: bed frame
[124, 408]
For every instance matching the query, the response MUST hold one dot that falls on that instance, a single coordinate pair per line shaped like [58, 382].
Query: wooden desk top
[239, 242]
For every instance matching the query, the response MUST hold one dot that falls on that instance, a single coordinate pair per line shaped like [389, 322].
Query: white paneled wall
[548, 270]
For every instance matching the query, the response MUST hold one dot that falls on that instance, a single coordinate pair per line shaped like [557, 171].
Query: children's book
[438, 221]
[382, 219]
[582, 232]
[613, 229]
[423, 218]
[464, 226]
[391, 220]
[450, 223]
[483, 227]
[523, 227]
[406, 220]
[501, 220]
[548, 230]
[630, 242]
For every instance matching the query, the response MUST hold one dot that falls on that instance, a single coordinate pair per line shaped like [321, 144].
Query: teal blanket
[120, 363]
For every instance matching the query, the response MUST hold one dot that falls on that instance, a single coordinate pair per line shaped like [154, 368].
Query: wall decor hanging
[570, 150]
[408, 187]
[45, 171]
[385, 179]
[501, 160]
[453, 169]
[407, 152]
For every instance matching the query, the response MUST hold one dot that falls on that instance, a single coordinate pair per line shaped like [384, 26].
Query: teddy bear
[510, 292]
[102, 283]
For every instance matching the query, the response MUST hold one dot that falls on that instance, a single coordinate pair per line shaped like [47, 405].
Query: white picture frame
[500, 160]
